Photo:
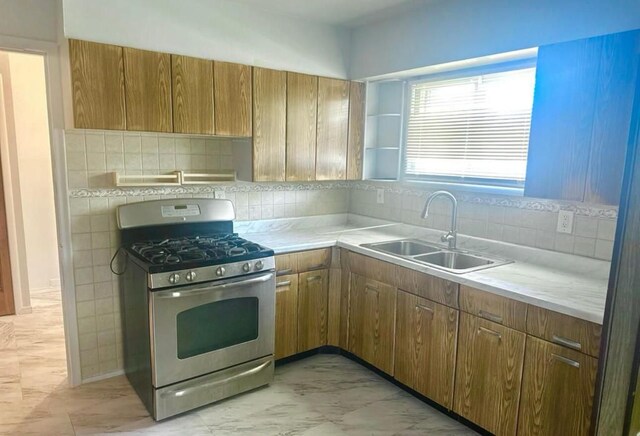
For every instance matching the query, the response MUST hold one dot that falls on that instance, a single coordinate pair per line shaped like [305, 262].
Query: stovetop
[180, 253]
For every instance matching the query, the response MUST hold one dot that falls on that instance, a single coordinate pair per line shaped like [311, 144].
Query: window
[470, 130]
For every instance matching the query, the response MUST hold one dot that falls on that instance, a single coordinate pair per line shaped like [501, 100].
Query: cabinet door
[489, 374]
[147, 80]
[232, 99]
[612, 120]
[302, 106]
[192, 86]
[97, 77]
[372, 322]
[557, 390]
[286, 316]
[333, 126]
[313, 289]
[425, 355]
[355, 142]
[269, 124]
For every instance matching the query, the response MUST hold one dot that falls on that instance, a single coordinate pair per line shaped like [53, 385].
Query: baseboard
[25, 310]
[102, 376]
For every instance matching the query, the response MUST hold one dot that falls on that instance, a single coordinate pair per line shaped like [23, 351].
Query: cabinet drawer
[564, 330]
[286, 264]
[314, 259]
[493, 307]
[371, 268]
[426, 286]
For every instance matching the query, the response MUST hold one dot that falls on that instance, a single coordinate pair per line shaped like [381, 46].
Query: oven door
[200, 329]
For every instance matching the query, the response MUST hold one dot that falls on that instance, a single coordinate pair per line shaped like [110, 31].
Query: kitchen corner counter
[568, 284]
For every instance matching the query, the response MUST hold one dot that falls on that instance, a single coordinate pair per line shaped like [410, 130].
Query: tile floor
[321, 395]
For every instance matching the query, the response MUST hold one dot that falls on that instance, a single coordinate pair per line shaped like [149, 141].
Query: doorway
[31, 322]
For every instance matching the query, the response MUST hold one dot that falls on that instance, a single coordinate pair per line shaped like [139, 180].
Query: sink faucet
[451, 236]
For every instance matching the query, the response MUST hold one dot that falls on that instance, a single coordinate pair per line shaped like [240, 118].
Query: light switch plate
[380, 196]
[219, 195]
[565, 221]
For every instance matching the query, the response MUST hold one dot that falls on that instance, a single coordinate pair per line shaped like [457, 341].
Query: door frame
[54, 54]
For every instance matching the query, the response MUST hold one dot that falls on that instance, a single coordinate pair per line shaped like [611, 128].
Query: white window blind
[474, 128]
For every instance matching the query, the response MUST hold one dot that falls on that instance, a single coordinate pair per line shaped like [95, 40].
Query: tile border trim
[536, 204]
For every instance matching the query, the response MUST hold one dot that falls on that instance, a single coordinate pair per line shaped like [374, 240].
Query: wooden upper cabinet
[425, 351]
[612, 119]
[557, 391]
[302, 107]
[97, 78]
[333, 129]
[489, 374]
[232, 97]
[192, 86]
[147, 83]
[355, 143]
[269, 124]
[581, 115]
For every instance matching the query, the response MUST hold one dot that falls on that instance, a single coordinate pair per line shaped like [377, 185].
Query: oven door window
[216, 325]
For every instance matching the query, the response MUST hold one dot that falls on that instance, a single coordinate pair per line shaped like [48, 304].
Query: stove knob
[174, 278]
[191, 276]
[246, 267]
[259, 265]
[220, 271]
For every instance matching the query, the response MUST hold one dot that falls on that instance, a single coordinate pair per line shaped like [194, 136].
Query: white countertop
[568, 284]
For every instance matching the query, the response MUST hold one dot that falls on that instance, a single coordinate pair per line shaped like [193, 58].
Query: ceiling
[334, 12]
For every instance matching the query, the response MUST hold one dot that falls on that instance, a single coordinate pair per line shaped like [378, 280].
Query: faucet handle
[447, 237]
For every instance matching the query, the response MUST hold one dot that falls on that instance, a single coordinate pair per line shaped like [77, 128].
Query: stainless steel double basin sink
[454, 261]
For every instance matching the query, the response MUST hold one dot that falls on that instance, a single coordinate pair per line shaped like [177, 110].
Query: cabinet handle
[566, 360]
[282, 284]
[490, 332]
[284, 271]
[371, 288]
[566, 342]
[313, 278]
[425, 308]
[319, 266]
[490, 316]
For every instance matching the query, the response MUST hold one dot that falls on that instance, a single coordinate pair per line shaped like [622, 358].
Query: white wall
[31, 174]
[212, 29]
[450, 30]
[35, 19]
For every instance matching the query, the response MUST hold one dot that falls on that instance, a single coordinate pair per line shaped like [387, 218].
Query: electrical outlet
[380, 196]
[565, 221]
[219, 195]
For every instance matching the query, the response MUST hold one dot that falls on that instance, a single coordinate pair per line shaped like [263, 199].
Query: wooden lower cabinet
[425, 351]
[286, 316]
[372, 311]
[313, 287]
[489, 374]
[557, 390]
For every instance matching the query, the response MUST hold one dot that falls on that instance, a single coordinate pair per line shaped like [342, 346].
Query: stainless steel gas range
[198, 303]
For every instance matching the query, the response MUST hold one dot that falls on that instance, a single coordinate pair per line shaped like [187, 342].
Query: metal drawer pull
[566, 360]
[371, 288]
[490, 316]
[314, 278]
[426, 308]
[281, 284]
[491, 332]
[566, 342]
[284, 271]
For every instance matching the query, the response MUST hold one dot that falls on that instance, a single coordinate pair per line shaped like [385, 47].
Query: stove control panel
[210, 273]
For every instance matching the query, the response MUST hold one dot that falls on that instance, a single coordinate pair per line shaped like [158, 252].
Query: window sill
[466, 187]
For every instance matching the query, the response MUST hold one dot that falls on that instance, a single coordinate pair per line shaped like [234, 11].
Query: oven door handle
[191, 292]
